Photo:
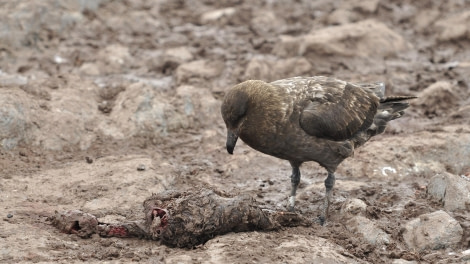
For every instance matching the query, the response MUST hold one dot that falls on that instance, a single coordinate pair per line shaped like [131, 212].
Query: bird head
[234, 108]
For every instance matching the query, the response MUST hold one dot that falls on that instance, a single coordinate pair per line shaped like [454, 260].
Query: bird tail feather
[390, 108]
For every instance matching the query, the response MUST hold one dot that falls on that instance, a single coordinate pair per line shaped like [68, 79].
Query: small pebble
[89, 160]
[9, 215]
[141, 167]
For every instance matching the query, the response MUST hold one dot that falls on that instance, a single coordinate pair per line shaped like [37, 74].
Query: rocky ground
[103, 103]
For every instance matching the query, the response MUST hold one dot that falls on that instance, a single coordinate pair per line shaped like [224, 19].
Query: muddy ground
[105, 102]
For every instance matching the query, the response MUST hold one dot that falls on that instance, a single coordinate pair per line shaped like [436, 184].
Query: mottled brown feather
[339, 117]
[302, 119]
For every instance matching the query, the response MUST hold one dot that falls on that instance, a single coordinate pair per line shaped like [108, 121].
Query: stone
[272, 69]
[454, 27]
[352, 210]
[201, 101]
[452, 190]
[368, 230]
[425, 18]
[463, 113]
[350, 11]
[438, 99]
[65, 121]
[288, 46]
[114, 58]
[199, 69]
[15, 117]
[171, 59]
[342, 16]
[265, 21]
[311, 249]
[258, 69]
[140, 110]
[81, 5]
[404, 12]
[364, 6]
[353, 206]
[89, 68]
[402, 261]
[30, 20]
[424, 153]
[296, 66]
[433, 231]
[12, 80]
[368, 37]
[72, 115]
[217, 14]
[178, 54]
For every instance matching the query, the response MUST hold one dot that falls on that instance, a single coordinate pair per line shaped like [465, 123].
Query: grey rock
[365, 6]
[438, 99]
[199, 69]
[463, 113]
[425, 18]
[296, 66]
[89, 68]
[65, 120]
[452, 190]
[80, 5]
[15, 117]
[312, 249]
[141, 110]
[113, 59]
[217, 14]
[353, 206]
[265, 21]
[30, 19]
[456, 26]
[71, 117]
[170, 59]
[7, 80]
[201, 101]
[369, 37]
[342, 16]
[178, 54]
[274, 68]
[350, 11]
[435, 230]
[402, 261]
[368, 230]
[258, 69]
[428, 153]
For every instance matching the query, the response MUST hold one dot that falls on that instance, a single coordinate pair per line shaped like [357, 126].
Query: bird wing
[335, 109]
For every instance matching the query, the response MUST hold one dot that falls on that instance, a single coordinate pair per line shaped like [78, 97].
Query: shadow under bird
[301, 119]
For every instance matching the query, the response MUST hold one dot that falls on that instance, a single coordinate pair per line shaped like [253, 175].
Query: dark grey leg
[329, 184]
[295, 179]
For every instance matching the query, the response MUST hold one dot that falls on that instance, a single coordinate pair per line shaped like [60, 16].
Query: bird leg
[295, 179]
[329, 184]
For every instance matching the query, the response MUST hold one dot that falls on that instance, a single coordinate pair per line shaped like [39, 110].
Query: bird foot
[291, 204]
[291, 209]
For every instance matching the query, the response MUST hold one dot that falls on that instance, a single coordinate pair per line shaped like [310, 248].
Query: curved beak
[231, 141]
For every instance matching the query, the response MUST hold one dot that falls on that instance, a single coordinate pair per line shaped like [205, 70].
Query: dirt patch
[105, 102]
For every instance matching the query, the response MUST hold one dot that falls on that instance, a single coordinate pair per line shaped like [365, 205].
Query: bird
[301, 119]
